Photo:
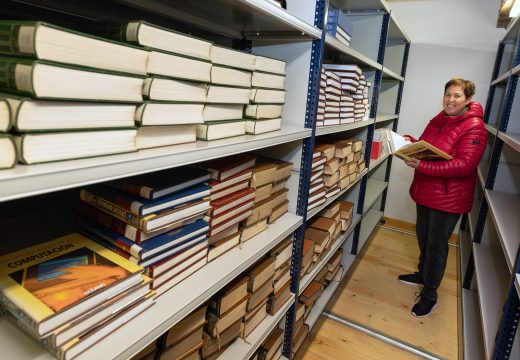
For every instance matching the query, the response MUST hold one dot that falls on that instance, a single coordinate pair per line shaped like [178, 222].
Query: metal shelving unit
[492, 269]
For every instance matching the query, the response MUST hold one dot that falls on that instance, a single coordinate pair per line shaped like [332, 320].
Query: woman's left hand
[413, 163]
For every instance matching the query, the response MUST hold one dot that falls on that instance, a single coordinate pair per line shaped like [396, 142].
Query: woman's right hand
[407, 138]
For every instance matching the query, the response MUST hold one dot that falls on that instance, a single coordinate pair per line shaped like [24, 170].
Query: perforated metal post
[305, 168]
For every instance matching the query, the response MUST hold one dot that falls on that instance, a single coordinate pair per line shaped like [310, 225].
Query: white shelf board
[307, 279]
[351, 55]
[324, 130]
[389, 74]
[465, 249]
[517, 284]
[492, 280]
[374, 163]
[505, 208]
[501, 78]
[512, 30]
[357, 5]
[381, 117]
[515, 70]
[330, 200]
[244, 349]
[511, 139]
[374, 189]
[28, 180]
[472, 331]
[368, 224]
[472, 220]
[491, 129]
[395, 31]
[172, 306]
[230, 18]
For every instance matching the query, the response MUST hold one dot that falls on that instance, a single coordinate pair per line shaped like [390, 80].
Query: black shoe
[424, 307]
[411, 279]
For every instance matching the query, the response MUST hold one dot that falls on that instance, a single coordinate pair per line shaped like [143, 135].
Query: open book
[421, 150]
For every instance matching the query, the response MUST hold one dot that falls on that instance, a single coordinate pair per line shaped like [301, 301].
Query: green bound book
[164, 89]
[156, 37]
[221, 129]
[31, 115]
[169, 113]
[5, 115]
[232, 57]
[178, 66]
[263, 111]
[45, 41]
[48, 80]
[263, 126]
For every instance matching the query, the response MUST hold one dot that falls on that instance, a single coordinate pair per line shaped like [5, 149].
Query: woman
[443, 189]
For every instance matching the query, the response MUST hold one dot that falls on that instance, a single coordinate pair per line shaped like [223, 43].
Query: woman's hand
[413, 163]
[407, 138]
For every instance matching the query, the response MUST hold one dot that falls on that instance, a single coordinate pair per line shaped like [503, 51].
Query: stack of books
[272, 348]
[185, 339]
[269, 179]
[334, 269]
[267, 96]
[232, 200]
[72, 293]
[343, 95]
[224, 317]
[322, 231]
[308, 256]
[282, 275]
[259, 287]
[300, 329]
[70, 78]
[154, 220]
[346, 209]
[339, 26]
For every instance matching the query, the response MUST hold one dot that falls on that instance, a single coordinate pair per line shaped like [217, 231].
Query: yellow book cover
[49, 284]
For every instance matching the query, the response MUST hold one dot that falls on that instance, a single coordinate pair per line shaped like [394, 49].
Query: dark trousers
[434, 229]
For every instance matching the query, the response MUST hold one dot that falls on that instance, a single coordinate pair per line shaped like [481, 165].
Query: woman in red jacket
[443, 189]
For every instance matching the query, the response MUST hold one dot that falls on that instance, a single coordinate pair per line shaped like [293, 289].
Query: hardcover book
[220, 112]
[223, 75]
[263, 111]
[217, 186]
[160, 184]
[34, 148]
[222, 246]
[8, 155]
[266, 80]
[261, 273]
[47, 80]
[188, 325]
[231, 201]
[47, 285]
[263, 126]
[224, 168]
[267, 96]
[223, 301]
[46, 41]
[181, 67]
[270, 65]
[217, 324]
[420, 150]
[212, 345]
[154, 136]
[165, 89]
[29, 114]
[220, 94]
[231, 57]
[215, 130]
[181, 270]
[168, 113]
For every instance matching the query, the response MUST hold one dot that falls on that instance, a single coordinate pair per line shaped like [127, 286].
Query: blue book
[154, 245]
[142, 207]
[156, 185]
[336, 18]
[148, 262]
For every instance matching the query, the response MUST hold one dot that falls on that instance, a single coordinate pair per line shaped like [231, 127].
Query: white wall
[449, 39]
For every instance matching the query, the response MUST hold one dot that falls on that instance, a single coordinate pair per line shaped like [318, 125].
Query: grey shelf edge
[341, 128]
[355, 5]
[389, 74]
[517, 284]
[368, 225]
[492, 280]
[374, 163]
[511, 139]
[472, 334]
[307, 279]
[465, 248]
[363, 59]
[501, 78]
[329, 201]
[509, 30]
[472, 220]
[180, 301]
[325, 297]
[374, 189]
[380, 117]
[491, 129]
[515, 70]
[245, 348]
[403, 36]
[29, 180]
[505, 208]
[481, 178]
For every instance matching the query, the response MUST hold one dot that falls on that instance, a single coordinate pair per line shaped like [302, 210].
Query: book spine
[27, 323]
[15, 77]
[17, 38]
[111, 209]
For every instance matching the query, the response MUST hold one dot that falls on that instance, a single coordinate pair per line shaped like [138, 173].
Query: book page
[398, 141]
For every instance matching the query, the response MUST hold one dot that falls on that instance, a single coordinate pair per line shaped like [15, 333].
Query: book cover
[49, 284]
[420, 150]
[161, 267]
[226, 298]
[157, 185]
[224, 168]
[222, 246]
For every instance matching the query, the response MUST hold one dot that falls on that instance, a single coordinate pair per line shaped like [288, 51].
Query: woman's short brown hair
[467, 86]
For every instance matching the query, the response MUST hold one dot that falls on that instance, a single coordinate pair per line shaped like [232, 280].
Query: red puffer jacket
[448, 185]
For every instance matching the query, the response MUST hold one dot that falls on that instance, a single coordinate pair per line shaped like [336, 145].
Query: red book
[229, 190]
[232, 221]
[224, 216]
[232, 200]
[224, 168]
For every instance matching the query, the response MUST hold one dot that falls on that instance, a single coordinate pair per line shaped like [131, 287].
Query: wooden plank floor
[374, 298]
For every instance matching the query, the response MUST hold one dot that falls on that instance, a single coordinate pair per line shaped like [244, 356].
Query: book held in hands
[420, 150]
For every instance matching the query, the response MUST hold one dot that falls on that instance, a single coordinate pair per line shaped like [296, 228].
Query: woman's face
[454, 100]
